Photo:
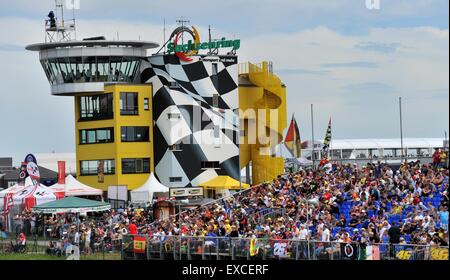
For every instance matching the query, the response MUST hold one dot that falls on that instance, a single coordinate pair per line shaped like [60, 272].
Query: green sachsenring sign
[190, 46]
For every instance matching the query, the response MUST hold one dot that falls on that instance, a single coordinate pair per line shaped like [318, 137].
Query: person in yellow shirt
[443, 157]
[227, 227]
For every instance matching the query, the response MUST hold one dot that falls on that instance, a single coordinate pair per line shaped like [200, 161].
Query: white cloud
[416, 70]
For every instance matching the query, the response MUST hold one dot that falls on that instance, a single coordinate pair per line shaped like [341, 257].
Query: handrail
[211, 202]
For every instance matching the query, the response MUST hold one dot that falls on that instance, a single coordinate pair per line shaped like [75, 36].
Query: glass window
[135, 165]
[214, 77]
[146, 104]
[210, 164]
[173, 115]
[347, 153]
[135, 134]
[215, 100]
[361, 153]
[91, 136]
[91, 69]
[96, 107]
[129, 103]
[94, 136]
[336, 154]
[388, 153]
[90, 167]
[175, 179]
[176, 147]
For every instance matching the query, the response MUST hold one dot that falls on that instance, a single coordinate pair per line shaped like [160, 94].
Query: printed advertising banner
[139, 244]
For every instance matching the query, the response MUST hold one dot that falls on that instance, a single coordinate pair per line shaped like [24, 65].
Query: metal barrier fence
[224, 248]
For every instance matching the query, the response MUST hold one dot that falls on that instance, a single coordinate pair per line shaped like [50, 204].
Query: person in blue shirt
[443, 217]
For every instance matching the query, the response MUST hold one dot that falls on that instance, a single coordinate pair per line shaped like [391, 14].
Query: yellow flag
[253, 247]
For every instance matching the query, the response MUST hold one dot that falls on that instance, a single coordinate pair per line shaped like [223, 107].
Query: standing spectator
[132, 228]
[437, 157]
[443, 218]
[87, 242]
[394, 237]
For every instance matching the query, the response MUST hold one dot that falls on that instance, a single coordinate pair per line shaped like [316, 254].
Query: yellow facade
[262, 100]
[117, 150]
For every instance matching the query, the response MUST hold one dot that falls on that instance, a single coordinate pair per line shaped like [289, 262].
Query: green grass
[28, 256]
[14, 257]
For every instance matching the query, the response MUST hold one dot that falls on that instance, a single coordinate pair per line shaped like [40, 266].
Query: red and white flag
[8, 202]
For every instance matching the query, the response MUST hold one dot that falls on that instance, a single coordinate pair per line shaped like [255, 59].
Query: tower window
[135, 165]
[95, 107]
[210, 165]
[135, 134]
[215, 100]
[90, 167]
[174, 115]
[146, 104]
[175, 179]
[95, 136]
[129, 103]
[176, 147]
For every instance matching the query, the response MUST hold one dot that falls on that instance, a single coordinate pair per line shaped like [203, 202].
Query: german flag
[292, 139]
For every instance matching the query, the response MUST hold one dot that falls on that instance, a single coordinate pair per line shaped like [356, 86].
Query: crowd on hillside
[369, 204]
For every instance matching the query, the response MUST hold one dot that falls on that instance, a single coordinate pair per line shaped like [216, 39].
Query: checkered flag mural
[195, 109]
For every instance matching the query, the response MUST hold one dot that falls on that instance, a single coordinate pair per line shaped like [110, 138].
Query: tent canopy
[145, 192]
[73, 187]
[72, 205]
[224, 182]
[12, 189]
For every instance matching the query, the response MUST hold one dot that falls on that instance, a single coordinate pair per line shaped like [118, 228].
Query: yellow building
[136, 114]
[262, 100]
[118, 133]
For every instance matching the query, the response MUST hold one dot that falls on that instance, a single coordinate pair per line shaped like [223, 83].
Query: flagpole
[401, 127]
[312, 137]
[330, 149]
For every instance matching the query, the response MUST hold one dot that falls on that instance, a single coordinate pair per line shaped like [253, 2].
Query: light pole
[401, 127]
[446, 149]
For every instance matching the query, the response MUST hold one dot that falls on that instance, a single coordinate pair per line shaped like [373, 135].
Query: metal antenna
[164, 31]
[209, 34]
[182, 21]
[56, 29]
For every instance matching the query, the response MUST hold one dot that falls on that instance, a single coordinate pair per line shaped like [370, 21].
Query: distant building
[9, 175]
[362, 151]
[50, 161]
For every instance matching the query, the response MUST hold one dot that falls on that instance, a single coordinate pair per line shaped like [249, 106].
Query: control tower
[174, 114]
[111, 103]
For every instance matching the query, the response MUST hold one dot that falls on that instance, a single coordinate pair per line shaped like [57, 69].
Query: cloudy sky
[351, 62]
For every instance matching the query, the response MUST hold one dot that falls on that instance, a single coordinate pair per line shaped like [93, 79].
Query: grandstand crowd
[346, 203]
[372, 204]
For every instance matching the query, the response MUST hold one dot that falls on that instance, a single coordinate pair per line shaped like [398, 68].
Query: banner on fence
[280, 249]
[349, 251]
[439, 254]
[254, 247]
[139, 244]
[404, 254]
[373, 253]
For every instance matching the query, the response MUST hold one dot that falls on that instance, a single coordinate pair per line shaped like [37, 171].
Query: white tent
[73, 187]
[12, 189]
[29, 194]
[145, 193]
